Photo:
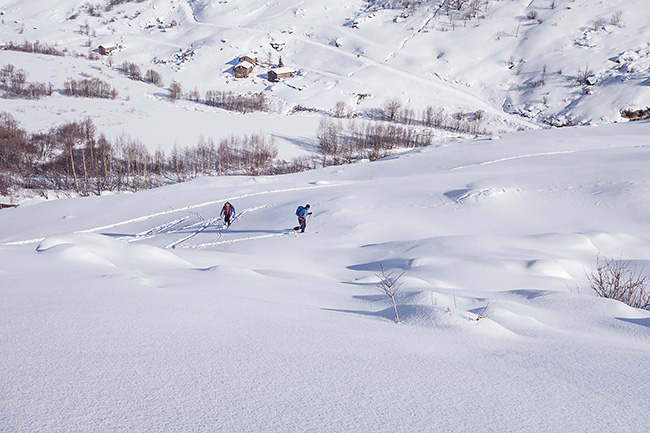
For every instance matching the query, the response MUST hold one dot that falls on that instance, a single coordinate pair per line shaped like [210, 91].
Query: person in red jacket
[227, 212]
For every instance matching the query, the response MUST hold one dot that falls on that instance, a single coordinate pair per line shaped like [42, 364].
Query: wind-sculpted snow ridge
[103, 250]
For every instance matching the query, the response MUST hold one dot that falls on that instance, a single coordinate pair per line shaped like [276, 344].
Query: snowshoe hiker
[302, 213]
[227, 212]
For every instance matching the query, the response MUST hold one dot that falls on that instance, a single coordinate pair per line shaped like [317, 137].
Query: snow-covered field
[140, 312]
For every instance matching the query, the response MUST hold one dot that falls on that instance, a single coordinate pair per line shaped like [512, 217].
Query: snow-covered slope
[140, 312]
[507, 59]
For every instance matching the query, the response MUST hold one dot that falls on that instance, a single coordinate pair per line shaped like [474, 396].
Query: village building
[279, 73]
[106, 49]
[250, 58]
[243, 69]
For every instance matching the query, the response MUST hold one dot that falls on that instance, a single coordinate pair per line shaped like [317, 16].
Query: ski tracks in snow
[207, 223]
[177, 226]
[511, 158]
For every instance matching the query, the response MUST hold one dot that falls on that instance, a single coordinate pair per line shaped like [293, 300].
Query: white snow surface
[141, 312]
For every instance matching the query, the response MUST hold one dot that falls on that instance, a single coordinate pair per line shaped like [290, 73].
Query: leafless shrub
[230, 101]
[599, 24]
[194, 95]
[6, 186]
[94, 10]
[90, 88]
[619, 280]
[457, 4]
[153, 77]
[474, 8]
[175, 91]
[641, 114]
[132, 71]
[532, 15]
[112, 3]
[84, 29]
[538, 83]
[388, 285]
[617, 19]
[329, 138]
[14, 84]
[341, 110]
[390, 109]
[584, 75]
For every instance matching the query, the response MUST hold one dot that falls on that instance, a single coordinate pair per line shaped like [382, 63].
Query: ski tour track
[184, 225]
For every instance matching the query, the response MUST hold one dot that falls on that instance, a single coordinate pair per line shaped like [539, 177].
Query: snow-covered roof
[283, 70]
[245, 64]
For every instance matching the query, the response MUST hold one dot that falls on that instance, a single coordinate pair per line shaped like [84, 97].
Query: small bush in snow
[617, 279]
[584, 75]
[388, 285]
[641, 114]
[617, 19]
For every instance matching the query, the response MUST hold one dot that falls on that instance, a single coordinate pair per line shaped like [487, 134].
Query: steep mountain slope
[504, 59]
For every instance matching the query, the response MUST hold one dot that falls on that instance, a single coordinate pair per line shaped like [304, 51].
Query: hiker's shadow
[226, 231]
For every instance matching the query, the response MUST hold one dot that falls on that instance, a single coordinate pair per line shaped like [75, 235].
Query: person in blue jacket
[302, 213]
[227, 212]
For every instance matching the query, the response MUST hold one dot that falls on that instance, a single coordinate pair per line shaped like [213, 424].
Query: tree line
[388, 128]
[76, 157]
[368, 139]
[14, 84]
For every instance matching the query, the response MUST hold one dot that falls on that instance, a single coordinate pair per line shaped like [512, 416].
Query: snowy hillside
[140, 312]
[519, 63]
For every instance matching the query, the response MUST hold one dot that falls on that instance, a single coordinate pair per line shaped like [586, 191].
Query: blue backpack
[300, 211]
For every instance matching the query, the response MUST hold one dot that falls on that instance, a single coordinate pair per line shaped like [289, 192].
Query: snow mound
[548, 268]
[105, 251]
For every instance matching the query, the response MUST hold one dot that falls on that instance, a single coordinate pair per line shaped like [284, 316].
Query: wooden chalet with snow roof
[243, 69]
[277, 74]
[250, 58]
[106, 49]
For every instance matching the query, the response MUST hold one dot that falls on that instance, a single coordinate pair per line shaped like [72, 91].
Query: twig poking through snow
[389, 286]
